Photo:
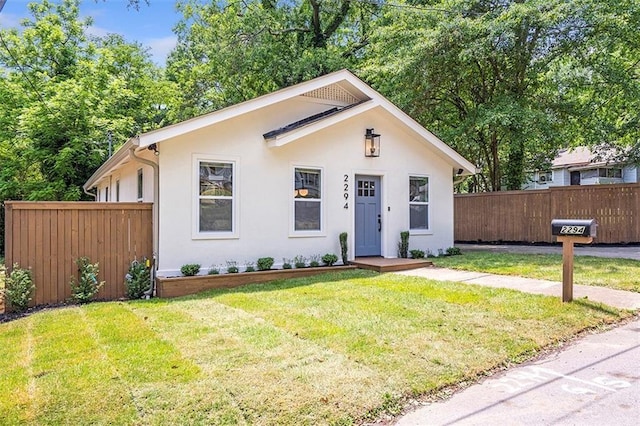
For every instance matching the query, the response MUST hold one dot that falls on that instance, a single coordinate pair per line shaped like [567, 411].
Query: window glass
[216, 197]
[140, 181]
[307, 200]
[419, 202]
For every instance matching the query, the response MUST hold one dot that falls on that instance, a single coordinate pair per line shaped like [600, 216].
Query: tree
[62, 93]
[229, 52]
[484, 75]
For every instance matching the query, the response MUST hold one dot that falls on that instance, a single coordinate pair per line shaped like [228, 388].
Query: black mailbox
[574, 227]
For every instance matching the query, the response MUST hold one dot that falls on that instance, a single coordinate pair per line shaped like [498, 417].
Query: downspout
[155, 213]
[91, 194]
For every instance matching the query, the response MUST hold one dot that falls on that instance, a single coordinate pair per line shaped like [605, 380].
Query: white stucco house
[284, 174]
[580, 166]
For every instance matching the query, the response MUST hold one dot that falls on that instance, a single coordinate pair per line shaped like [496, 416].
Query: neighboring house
[579, 166]
[284, 174]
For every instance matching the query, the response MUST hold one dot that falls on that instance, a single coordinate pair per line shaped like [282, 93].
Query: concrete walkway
[624, 252]
[616, 298]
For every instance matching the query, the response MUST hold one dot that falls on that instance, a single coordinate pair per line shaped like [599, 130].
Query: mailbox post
[569, 232]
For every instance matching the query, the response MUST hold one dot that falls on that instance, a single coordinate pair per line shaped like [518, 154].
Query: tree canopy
[505, 82]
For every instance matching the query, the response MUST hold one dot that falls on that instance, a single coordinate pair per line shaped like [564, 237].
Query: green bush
[329, 259]
[453, 251]
[190, 269]
[138, 279]
[249, 267]
[18, 290]
[314, 261]
[265, 263]
[86, 286]
[300, 261]
[232, 267]
[344, 249]
[286, 263]
[403, 245]
[417, 254]
[214, 270]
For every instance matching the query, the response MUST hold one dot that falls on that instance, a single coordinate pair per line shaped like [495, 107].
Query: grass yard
[620, 274]
[339, 348]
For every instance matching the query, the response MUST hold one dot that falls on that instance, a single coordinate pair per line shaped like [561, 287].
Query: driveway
[625, 252]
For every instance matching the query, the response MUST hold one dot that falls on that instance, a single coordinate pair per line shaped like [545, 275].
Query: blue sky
[151, 25]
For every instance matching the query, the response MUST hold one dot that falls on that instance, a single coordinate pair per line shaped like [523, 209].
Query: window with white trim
[419, 203]
[140, 185]
[215, 196]
[307, 199]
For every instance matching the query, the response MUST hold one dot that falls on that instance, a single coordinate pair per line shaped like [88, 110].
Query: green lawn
[621, 274]
[338, 348]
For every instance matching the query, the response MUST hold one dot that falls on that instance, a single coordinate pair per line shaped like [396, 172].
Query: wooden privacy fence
[49, 236]
[525, 216]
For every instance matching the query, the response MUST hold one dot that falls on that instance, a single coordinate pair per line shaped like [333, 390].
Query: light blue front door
[368, 220]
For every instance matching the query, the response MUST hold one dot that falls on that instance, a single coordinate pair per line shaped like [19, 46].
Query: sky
[151, 25]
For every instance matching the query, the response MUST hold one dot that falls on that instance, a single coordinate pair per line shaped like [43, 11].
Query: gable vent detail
[333, 92]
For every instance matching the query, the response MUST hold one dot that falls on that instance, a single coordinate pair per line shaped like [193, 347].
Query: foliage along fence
[48, 237]
[525, 216]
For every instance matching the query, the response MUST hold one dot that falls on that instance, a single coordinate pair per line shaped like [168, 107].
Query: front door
[368, 220]
[575, 178]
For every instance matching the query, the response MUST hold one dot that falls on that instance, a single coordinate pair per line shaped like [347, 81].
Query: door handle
[379, 224]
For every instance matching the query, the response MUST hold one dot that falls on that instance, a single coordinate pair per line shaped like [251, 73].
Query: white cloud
[161, 47]
[9, 20]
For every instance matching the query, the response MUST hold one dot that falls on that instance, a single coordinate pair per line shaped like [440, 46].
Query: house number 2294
[346, 191]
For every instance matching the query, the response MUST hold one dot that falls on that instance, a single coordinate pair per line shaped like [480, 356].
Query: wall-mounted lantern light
[153, 147]
[371, 144]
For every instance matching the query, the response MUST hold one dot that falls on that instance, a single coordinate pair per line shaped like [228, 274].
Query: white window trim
[292, 204]
[429, 230]
[195, 189]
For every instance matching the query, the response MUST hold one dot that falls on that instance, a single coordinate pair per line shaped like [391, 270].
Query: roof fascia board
[301, 132]
[233, 111]
[450, 153]
[114, 161]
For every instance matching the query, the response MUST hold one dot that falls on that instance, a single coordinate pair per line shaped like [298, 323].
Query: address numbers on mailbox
[574, 227]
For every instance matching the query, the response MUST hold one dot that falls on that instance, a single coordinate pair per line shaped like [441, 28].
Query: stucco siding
[263, 187]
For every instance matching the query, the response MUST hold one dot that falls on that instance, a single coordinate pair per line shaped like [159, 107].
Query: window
[117, 190]
[106, 194]
[215, 196]
[610, 173]
[140, 182]
[307, 200]
[418, 203]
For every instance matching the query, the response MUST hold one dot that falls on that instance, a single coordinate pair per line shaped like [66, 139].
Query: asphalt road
[593, 381]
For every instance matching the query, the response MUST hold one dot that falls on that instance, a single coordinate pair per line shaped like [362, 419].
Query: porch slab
[381, 264]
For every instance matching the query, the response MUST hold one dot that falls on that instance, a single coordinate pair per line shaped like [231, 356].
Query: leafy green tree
[487, 76]
[231, 51]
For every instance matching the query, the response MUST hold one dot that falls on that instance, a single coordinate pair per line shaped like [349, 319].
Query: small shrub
[344, 249]
[440, 252]
[19, 288]
[453, 251]
[213, 270]
[430, 254]
[86, 286]
[329, 259]
[138, 279]
[265, 263]
[190, 269]
[300, 261]
[249, 267]
[403, 245]
[417, 254]
[232, 267]
[286, 263]
[314, 260]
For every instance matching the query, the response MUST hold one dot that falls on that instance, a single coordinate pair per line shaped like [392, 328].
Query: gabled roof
[580, 157]
[344, 93]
